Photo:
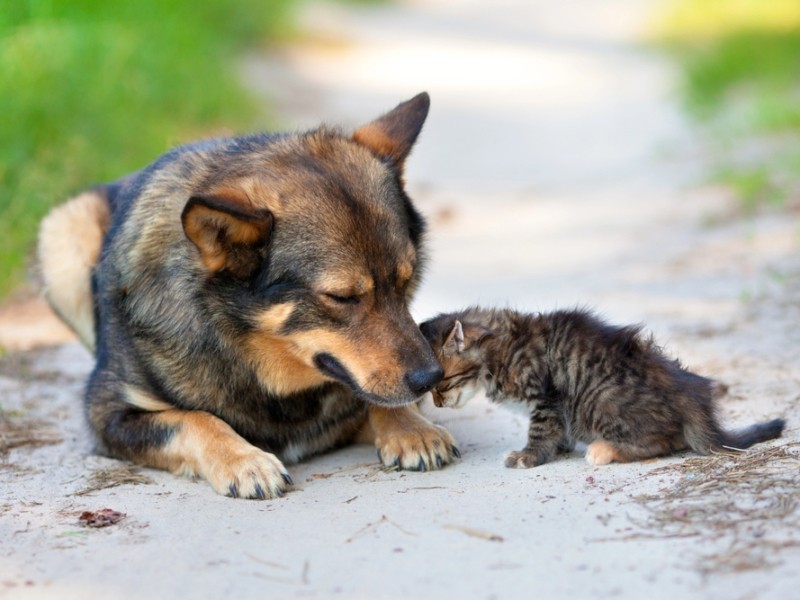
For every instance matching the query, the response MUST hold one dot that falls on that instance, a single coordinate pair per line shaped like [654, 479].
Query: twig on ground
[110, 477]
[373, 526]
[19, 432]
[748, 497]
[477, 533]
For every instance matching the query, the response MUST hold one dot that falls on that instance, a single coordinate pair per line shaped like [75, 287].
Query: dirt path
[555, 171]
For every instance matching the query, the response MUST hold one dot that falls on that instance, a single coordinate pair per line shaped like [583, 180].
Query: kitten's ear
[454, 342]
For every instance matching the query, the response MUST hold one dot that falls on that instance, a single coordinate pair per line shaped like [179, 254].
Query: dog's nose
[423, 380]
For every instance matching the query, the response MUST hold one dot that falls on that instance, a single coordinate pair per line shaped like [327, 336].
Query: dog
[247, 302]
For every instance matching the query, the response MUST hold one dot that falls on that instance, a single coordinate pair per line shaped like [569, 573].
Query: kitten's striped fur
[583, 380]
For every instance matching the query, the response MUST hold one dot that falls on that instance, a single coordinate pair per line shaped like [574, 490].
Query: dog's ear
[229, 236]
[391, 136]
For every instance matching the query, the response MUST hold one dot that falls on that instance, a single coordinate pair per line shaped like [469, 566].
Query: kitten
[582, 380]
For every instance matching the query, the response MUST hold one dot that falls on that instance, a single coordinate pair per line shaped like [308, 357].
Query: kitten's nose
[423, 380]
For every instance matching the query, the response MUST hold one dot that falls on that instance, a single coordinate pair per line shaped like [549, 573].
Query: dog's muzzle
[333, 368]
[423, 380]
[418, 382]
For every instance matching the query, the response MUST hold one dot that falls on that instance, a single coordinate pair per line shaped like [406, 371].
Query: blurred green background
[92, 90]
[740, 64]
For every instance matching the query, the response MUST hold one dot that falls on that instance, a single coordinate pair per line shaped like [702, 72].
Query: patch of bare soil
[27, 322]
[27, 367]
[747, 499]
[22, 432]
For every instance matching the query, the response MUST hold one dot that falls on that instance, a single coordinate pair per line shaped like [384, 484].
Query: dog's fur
[248, 296]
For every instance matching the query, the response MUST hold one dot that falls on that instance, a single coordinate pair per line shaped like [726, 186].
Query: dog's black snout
[424, 380]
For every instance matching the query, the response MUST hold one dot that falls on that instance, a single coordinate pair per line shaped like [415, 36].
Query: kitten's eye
[352, 299]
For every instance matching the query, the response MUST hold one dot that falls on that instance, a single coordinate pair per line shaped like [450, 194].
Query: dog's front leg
[407, 440]
[192, 443]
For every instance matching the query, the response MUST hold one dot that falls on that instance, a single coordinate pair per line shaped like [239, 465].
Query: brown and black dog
[247, 299]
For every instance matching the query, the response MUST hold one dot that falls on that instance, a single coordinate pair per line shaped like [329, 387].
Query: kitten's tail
[760, 432]
[708, 438]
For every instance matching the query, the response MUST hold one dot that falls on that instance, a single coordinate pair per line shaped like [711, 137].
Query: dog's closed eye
[344, 298]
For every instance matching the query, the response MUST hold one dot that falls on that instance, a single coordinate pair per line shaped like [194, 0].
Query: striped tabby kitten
[582, 380]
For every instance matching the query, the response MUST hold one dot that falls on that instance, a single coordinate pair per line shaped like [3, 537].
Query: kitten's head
[458, 346]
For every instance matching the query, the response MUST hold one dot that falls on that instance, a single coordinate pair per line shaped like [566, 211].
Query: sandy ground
[555, 171]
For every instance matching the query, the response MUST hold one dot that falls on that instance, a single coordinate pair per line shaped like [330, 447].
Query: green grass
[740, 61]
[92, 90]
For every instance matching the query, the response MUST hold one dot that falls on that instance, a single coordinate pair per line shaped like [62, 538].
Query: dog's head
[312, 239]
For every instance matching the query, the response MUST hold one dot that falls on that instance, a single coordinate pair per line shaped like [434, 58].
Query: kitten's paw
[601, 452]
[425, 447]
[525, 459]
[249, 473]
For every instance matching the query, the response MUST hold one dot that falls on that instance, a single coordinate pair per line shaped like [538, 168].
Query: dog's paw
[425, 447]
[249, 473]
[525, 459]
[601, 452]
